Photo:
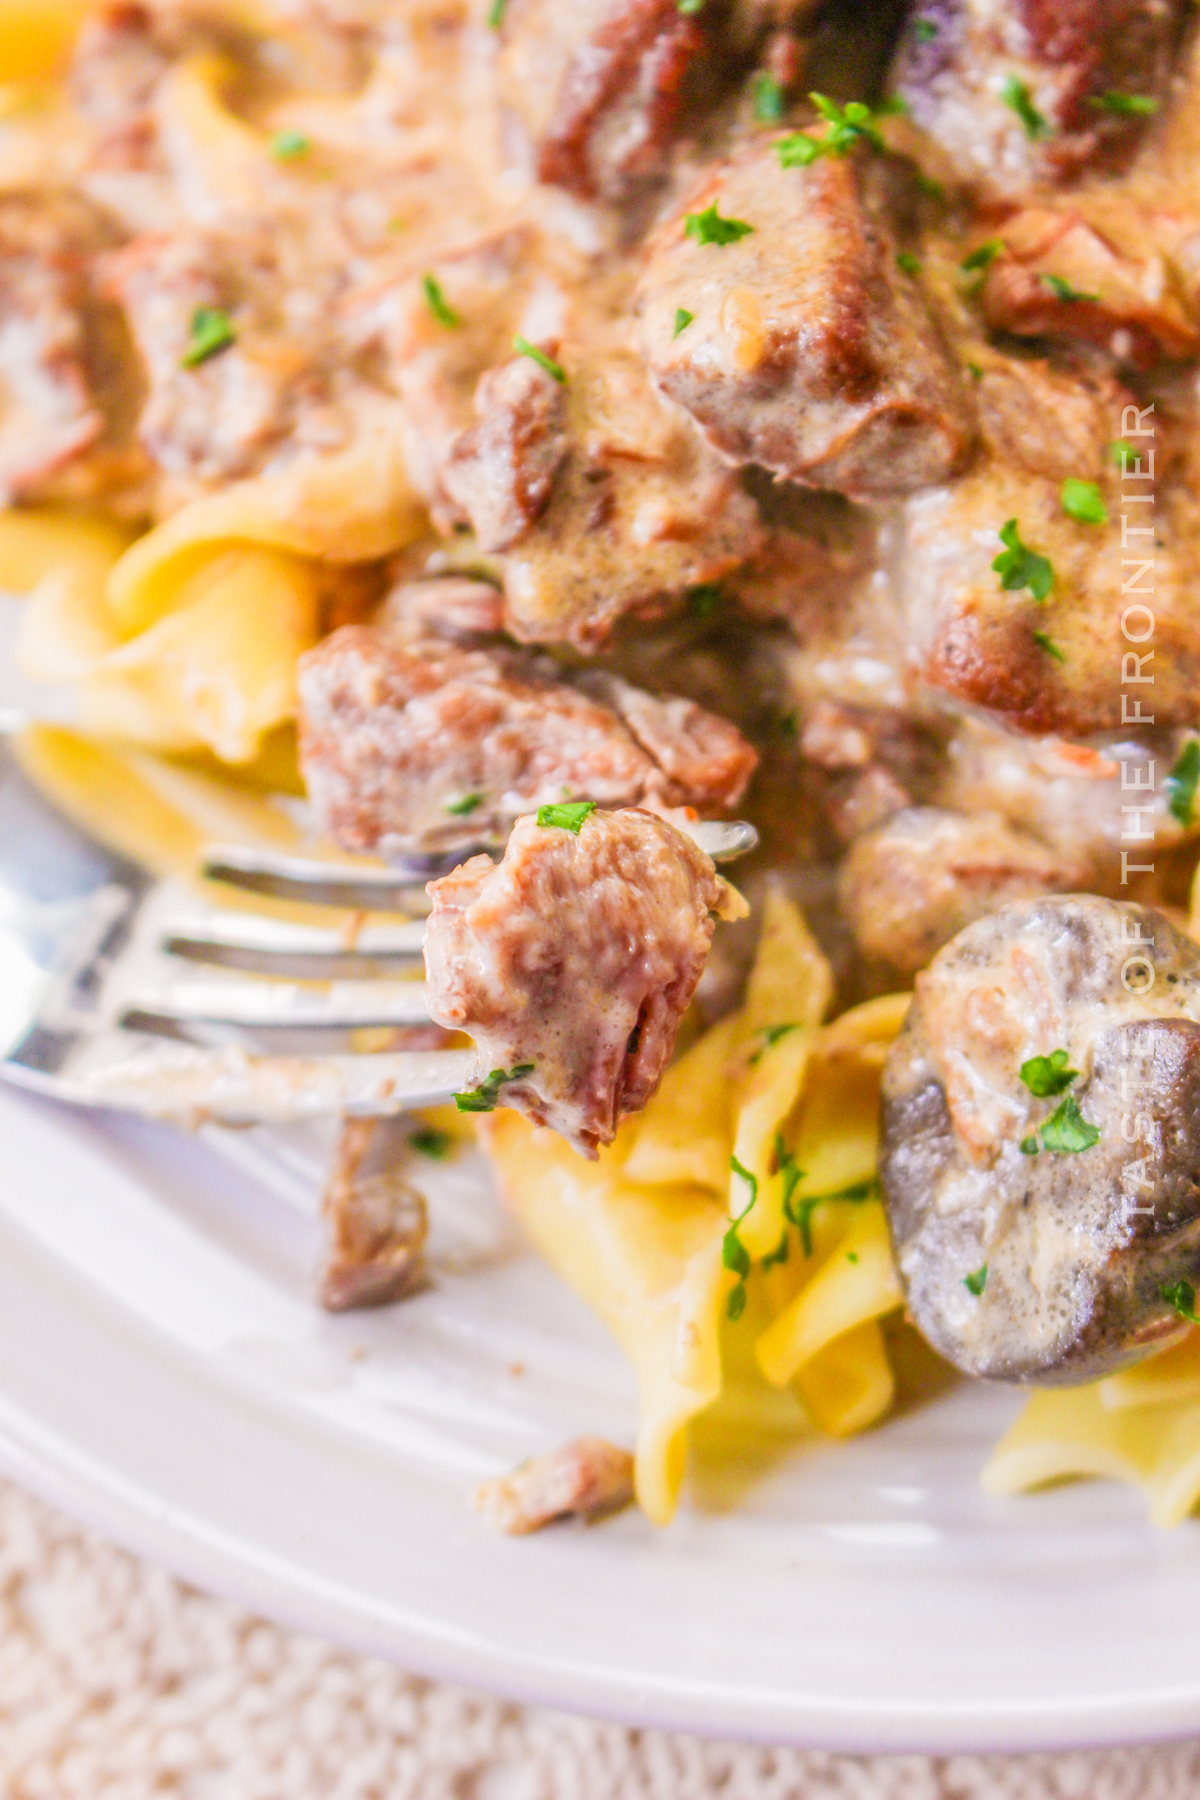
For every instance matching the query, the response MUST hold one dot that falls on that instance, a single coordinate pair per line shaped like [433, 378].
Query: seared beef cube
[571, 962]
[406, 751]
[808, 350]
[1022, 93]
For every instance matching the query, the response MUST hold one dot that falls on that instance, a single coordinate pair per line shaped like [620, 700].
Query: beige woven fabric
[119, 1683]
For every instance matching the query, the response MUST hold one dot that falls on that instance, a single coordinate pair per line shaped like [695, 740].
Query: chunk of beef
[47, 414]
[910, 884]
[639, 511]
[1013, 91]
[1040, 1156]
[283, 383]
[809, 350]
[120, 56]
[1093, 274]
[598, 87]
[571, 963]
[403, 750]
[454, 609]
[501, 471]
[584, 1478]
[377, 1221]
[1053, 665]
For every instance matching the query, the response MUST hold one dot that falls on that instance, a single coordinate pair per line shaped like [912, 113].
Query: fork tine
[397, 888]
[269, 1006]
[265, 946]
[394, 889]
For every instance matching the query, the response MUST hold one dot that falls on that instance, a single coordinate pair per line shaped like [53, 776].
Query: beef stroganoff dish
[511, 430]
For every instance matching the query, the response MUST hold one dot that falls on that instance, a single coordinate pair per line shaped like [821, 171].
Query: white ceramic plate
[165, 1375]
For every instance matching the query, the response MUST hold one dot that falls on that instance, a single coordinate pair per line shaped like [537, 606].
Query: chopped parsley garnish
[1182, 1296]
[460, 808]
[495, 17]
[703, 601]
[211, 332]
[983, 256]
[486, 1096]
[910, 264]
[689, 7]
[566, 816]
[1029, 1146]
[1048, 1075]
[1020, 567]
[1066, 1131]
[1045, 642]
[1062, 290]
[1137, 106]
[929, 186]
[780, 1253]
[845, 128]
[708, 227]
[683, 319]
[926, 30]
[852, 1256]
[429, 1141]
[800, 1212]
[734, 1254]
[439, 306]
[768, 99]
[1083, 502]
[523, 347]
[975, 371]
[287, 146]
[1123, 453]
[770, 1036]
[977, 1281]
[1183, 781]
[1015, 93]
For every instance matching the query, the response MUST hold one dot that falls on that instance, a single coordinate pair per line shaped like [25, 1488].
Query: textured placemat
[119, 1683]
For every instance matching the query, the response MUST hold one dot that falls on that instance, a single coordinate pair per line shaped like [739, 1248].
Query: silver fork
[100, 962]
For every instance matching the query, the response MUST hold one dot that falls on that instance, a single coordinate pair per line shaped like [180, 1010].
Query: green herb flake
[845, 128]
[769, 99]
[1123, 453]
[852, 1256]
[976, 1281]
[1029, 1146]
[1183, 781]
[983, 256]
[459, 809]
[734, 1255]
[1045, 642]
[1015, 93]
[1020, 567]
[486, 1096]
[780, 1253]
[1083, 502]
[689, 8]
[495, 17]
[683, 319]
[211, 332]
[926, 30]
[976, 372]
[568, 816]
[289, 146]
[929, 186]
[429, 1141]
[1130, 106]
[523, 347]
[1182, 1296]
[437, 302]
[1062, 290]
[770, 1036]
[703, 601]
[910, 264]
[708, 227]
[1046, 1076]
[799, 149]
[1066, 1131]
